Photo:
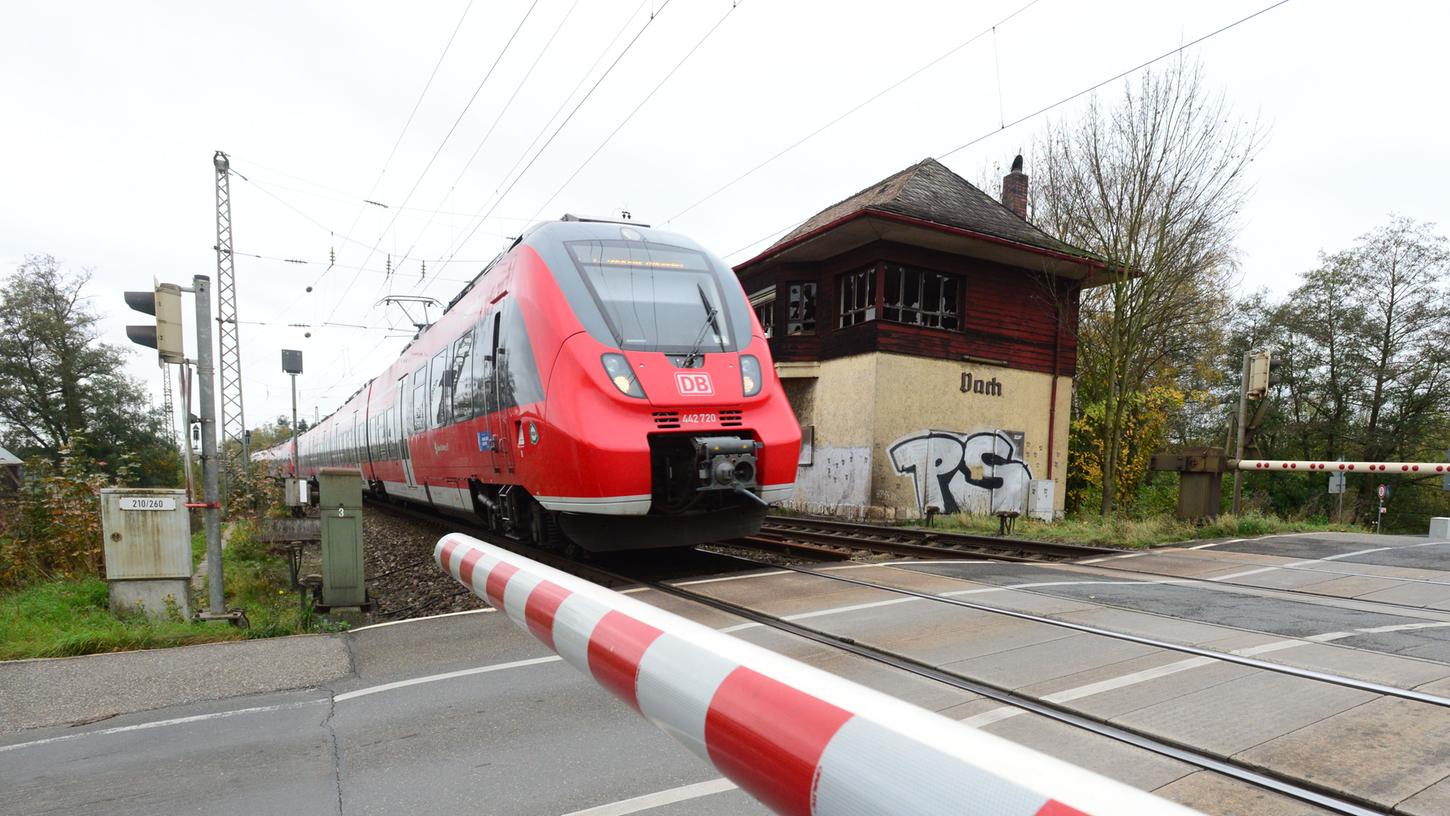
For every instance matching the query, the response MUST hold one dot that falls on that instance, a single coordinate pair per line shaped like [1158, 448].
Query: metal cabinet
[340, 503]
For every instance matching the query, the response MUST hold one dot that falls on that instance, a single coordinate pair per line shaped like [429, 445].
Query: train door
[405, 419]
[496, 402]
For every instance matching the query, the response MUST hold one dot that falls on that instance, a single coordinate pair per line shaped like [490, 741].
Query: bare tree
[1153, 184]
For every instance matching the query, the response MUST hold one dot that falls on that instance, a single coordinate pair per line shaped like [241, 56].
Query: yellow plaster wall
[915, 394]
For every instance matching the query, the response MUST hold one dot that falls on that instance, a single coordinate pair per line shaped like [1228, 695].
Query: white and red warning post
[800, 740]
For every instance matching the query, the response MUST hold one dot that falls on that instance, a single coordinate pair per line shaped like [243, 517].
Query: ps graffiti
[979, 473]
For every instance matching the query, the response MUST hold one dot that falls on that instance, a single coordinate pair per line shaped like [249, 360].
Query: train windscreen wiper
[710, 323]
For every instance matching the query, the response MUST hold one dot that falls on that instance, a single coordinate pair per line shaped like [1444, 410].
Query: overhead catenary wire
[518, 87]
[642, 103]
[485, 215]
[451, 130]
[1066, 99]
[406, 124]
[344, 197]
[858, 106]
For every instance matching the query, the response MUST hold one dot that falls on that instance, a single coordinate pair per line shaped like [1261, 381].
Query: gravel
[402, 576]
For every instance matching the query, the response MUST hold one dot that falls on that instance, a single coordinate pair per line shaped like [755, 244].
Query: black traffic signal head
[165, 334]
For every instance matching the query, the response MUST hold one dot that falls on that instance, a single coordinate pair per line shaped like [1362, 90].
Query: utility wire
[641, 104]
[391, 153]
[1068, 98]
[888, 89]
[1140, 66]
[484, 216]
[436, 153]
[481, 142]
[344, 197]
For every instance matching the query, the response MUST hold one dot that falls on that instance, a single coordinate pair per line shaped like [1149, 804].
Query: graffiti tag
[979, 473]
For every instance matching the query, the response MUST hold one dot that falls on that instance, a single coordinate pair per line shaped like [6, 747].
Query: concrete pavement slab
[791, 593]
[1373, 657]
[1386, 750]
[928, 694]
[1432, 801]
[1246, 711]
[1410, 594]
[1129, 764]
[1212, 793]
[1350, 586]
[1159, 627]
[70, 689]
[937, 633]
[1037, 662]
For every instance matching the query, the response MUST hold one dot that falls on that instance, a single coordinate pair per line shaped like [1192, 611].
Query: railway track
[1266, 779]
[815, 540]
[827, 539]
[844, 537]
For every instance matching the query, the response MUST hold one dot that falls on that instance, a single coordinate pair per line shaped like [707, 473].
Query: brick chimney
[1014, 189]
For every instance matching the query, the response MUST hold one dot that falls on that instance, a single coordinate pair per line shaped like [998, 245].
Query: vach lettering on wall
[977, 385]
[979, 473]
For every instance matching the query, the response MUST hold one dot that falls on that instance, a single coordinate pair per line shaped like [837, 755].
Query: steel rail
[929, 551]
[1278, 783]
[926, 540]
[1198, 651]
[1307, 792]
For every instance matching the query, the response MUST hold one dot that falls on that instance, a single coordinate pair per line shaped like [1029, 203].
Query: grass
[72, 617]
[1132, 533]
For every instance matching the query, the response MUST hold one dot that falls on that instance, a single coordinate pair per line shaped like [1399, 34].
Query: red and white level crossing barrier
[800, 740]
[1412, 468]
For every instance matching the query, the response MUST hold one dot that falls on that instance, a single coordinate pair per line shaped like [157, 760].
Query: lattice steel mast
[229, 352]
[167, 405]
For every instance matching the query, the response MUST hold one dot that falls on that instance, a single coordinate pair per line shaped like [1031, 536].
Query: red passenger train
[602, 383]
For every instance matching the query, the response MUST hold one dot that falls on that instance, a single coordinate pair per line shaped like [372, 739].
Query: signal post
[164, 302]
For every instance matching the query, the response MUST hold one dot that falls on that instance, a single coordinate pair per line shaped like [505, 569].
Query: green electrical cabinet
[340, 502]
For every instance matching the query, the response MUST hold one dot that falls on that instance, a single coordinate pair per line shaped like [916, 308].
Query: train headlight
[750, 380]
[620, 374]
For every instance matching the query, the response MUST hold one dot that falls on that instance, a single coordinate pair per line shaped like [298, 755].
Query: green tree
[1153, 185]
[61, 388]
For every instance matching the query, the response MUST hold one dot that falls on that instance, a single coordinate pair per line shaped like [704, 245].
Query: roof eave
[778, 249]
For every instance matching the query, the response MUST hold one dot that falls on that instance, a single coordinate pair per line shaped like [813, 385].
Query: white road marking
[423, 618]
[1114, 557]
[1293, 564]
[433, 678]
[732, 578]
[218, 715]
[986, 718]
[650, 801]
[1405, 627]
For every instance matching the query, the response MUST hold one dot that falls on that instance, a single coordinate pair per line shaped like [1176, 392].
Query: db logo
[694, 384]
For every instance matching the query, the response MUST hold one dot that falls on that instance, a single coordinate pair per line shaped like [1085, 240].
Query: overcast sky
[113, 111]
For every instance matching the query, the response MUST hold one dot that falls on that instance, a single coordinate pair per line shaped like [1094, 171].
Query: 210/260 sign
[147, 503]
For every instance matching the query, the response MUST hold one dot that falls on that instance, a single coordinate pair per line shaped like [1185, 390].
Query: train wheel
[543, 528]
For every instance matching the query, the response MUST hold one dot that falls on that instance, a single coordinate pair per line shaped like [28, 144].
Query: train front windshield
[657, 298]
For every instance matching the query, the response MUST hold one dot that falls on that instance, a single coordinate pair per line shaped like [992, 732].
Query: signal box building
[927, 338]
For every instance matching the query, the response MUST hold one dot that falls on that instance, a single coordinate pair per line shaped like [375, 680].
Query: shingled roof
[928, 191]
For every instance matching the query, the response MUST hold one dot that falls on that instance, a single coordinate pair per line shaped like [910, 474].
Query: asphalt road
[535, 738]
[466, 713]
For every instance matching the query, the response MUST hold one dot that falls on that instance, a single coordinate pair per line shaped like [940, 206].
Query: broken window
[801, 315]
[763, 304]
[858, 296]
[920, 297]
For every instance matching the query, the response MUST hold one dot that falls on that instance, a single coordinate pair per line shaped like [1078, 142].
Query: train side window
[437, 401]
[518, 376]
[483, 366]
[461, 377]
[420, 399]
